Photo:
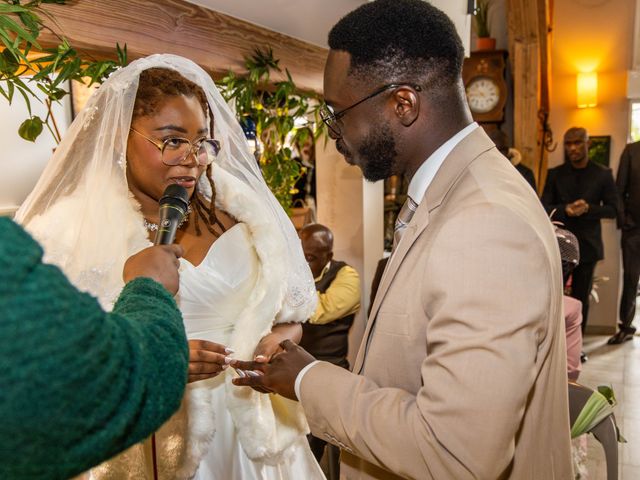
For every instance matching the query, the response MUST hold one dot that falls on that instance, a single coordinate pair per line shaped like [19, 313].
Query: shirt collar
[324, 270]
[427, 171]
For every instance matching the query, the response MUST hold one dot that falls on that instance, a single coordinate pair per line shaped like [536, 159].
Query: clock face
[483, 94]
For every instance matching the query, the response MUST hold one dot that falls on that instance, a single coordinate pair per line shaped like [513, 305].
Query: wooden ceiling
[214, 40]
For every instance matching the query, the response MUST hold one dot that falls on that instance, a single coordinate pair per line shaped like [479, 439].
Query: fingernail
[229, 350]
[225, 366]
[228, 359]
[260, 357]
[252, 373]
[241, 373]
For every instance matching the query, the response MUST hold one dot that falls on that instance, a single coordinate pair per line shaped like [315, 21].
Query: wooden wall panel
[529, 46]
[216, 41]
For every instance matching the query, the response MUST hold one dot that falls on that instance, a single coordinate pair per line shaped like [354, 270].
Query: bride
[244, 283]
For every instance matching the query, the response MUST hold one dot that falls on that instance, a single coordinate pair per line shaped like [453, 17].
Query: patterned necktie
[404, 217]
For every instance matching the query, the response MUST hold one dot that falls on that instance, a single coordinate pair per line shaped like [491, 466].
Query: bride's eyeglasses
[175, 150]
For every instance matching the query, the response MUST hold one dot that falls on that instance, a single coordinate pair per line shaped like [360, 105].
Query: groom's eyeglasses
[331, 118]
[175, 150]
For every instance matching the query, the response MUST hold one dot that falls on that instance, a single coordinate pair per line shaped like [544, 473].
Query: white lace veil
[86, 179]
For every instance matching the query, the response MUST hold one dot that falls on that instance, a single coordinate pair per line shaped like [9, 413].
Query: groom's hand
[277, 376]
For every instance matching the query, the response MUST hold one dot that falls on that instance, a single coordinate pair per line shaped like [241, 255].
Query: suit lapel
[452, 168]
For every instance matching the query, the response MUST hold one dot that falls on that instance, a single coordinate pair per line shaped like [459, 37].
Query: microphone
[173, 208]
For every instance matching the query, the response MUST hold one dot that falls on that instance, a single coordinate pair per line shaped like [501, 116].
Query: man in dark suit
[581, 193]
[628, 183]
[502, 144]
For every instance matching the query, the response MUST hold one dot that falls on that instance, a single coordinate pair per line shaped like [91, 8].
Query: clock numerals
[483, 95]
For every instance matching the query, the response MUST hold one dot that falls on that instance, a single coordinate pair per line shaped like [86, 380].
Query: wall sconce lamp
[587, 89]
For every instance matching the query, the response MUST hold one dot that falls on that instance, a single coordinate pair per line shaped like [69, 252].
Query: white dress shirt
[427, 171]
[417, 188]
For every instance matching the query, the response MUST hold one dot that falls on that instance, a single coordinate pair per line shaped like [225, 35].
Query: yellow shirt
[342, 298]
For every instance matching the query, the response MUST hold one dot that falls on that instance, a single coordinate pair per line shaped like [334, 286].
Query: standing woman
[244, 283]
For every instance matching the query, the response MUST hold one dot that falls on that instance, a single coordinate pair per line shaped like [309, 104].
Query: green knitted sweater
[78, 385]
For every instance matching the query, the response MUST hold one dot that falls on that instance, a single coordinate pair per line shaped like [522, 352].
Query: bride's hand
[270, 343]
[268, 347]
[206, 359]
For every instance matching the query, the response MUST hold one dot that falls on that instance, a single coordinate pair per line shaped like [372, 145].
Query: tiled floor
[618, 366]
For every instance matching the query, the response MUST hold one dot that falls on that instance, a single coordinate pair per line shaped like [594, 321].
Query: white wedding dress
[211, 296]
[253, 277]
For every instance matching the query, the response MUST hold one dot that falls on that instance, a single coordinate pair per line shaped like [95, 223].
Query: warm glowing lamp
[587, 89]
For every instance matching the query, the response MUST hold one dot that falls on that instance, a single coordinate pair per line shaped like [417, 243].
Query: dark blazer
[528, 175]
[628, 183]
[595, 185]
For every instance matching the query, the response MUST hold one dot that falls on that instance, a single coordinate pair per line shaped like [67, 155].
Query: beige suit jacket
[462, 368]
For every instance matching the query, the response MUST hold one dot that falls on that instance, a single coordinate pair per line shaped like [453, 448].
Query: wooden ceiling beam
[215, 41]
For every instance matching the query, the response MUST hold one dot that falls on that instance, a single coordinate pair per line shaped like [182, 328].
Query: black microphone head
[175, 194]
[174, 205]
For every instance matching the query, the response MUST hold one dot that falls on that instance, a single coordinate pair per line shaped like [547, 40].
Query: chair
[605, 432]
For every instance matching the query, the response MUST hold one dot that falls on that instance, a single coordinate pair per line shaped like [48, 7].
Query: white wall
[354, 210]
[21, 162]
[457, 11]
[311, 20]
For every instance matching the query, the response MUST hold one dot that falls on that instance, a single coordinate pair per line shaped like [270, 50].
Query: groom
[461, 371]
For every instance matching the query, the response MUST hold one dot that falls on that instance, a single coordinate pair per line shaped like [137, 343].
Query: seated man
[326, 333]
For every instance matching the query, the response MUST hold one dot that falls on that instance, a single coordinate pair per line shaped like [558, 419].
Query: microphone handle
[170, 217]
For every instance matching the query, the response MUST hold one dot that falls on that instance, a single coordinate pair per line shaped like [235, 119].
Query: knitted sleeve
[78, 385]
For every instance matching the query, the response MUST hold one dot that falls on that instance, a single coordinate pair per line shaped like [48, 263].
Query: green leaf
[595, 410]
[25, 92]
[8, 62]
[68, 70]
[31, 22]
[4, 94]
[4, 8]
[31, 128]
[11, 88]
[9, 43]
[43, 87]
[607, 392]
[10, 24]
[122, 54]
[57, 94]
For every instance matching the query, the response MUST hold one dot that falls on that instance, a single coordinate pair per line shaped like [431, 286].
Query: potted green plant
[481, 17]
[26, 67]
[277, 115]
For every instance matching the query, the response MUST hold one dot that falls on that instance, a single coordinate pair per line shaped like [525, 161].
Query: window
[635, 121]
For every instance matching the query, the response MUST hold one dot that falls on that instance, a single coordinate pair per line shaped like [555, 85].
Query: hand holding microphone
[160, 262]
